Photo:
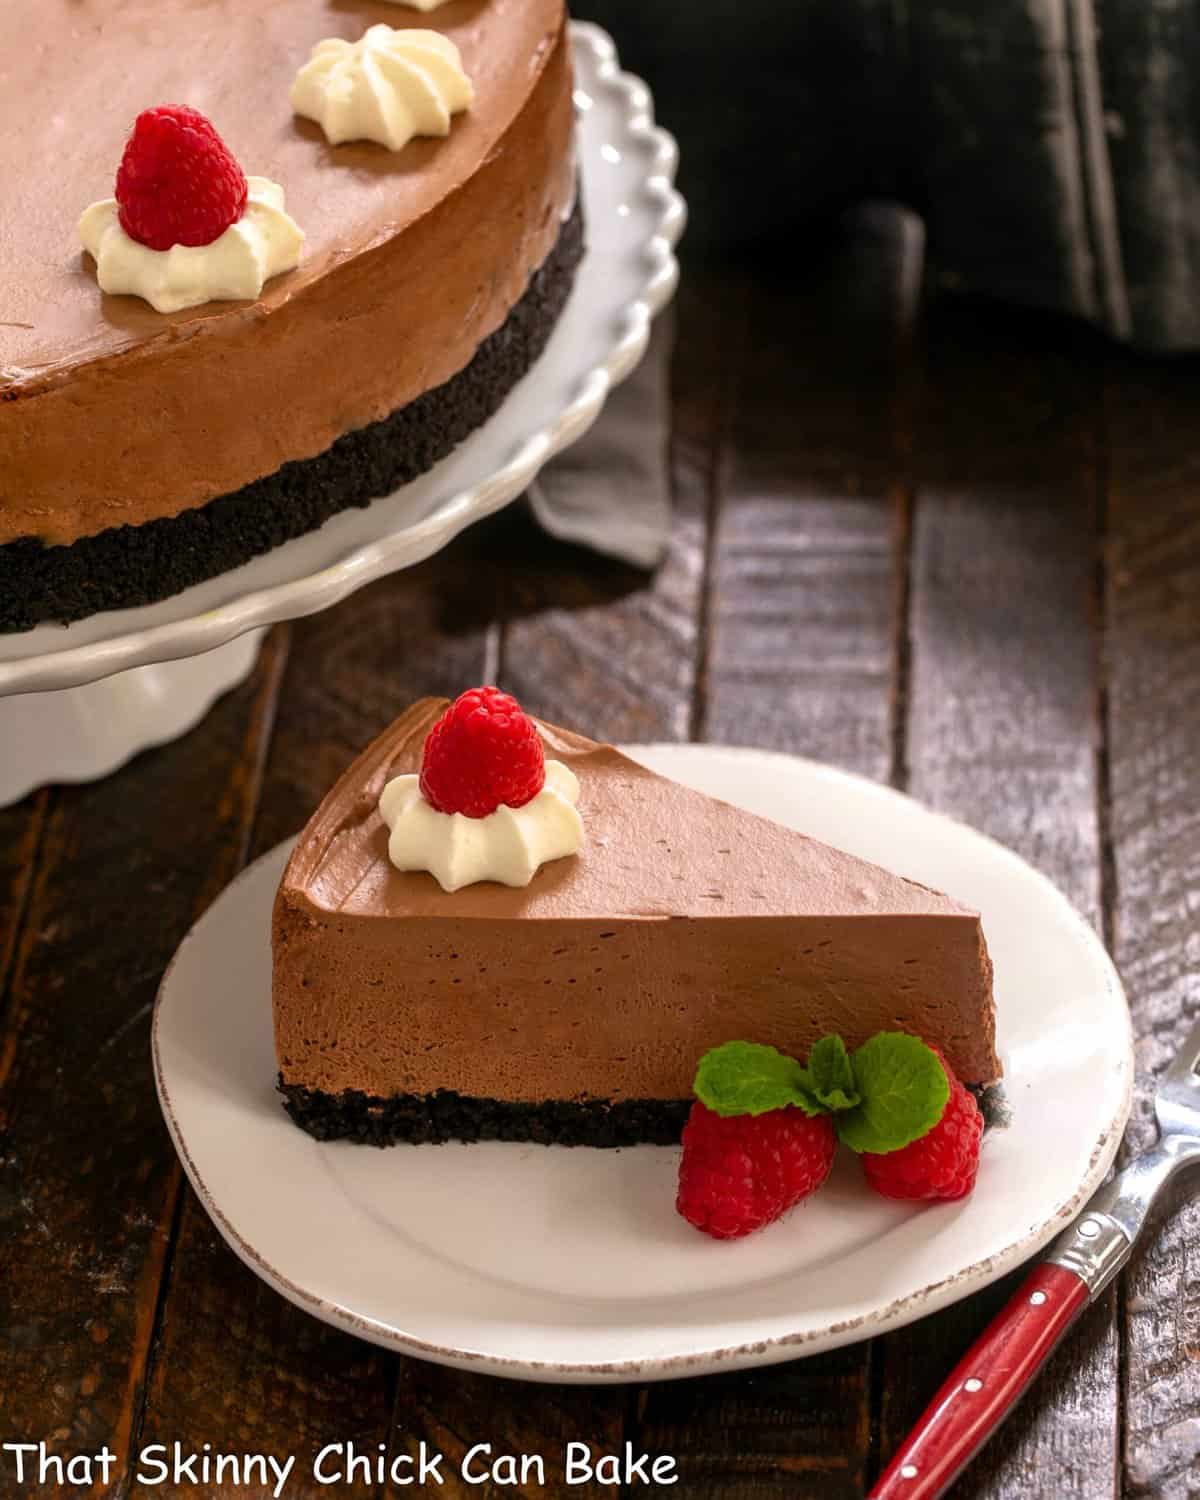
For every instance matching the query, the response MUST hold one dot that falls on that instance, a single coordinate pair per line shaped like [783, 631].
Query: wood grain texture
[803, 649]
[1149, 53]
[1002, 732]
[804, 586]
[1153, 671]
[89, 1181]
[21, 829]
[799, 1431]
[238, 1367]
[597, 644]
[453, 1413]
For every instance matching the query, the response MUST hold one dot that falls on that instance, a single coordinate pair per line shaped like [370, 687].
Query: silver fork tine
[1183, 1068]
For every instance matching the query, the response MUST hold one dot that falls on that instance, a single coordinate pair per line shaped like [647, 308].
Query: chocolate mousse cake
[144, 450]
[573, 1008]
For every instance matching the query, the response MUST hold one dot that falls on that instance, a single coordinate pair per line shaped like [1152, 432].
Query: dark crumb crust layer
[992, 1100]
[134, 565]
[431, 1119]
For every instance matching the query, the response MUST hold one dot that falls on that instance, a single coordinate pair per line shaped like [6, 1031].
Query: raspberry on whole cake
[178, 182]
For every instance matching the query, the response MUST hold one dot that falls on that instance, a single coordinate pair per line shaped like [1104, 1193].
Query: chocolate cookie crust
[432, 1119]
[129, 566]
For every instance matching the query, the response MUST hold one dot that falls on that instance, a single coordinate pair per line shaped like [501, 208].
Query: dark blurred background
[1050, 146]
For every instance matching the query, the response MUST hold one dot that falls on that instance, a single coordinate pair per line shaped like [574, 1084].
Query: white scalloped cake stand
[76, 702]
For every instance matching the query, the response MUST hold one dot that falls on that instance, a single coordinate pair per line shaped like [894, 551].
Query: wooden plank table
[957, 549]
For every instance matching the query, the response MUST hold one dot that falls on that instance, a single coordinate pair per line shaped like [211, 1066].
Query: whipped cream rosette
[487, 805]
[186, 225]
[263, 243]
[388, 86]
[510, 845]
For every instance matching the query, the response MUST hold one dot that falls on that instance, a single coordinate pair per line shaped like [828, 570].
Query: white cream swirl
[388, 86]
[263, 243]
[508, 846]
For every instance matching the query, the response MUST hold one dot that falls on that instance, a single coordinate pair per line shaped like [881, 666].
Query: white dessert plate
[634, 218]
[571, 1264]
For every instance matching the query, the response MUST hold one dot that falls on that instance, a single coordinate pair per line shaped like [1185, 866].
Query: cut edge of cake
[364, 936]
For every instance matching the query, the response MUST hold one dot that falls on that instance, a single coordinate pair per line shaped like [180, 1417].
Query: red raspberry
[943, 1163]
[178, 183]
[741, 1172]
[483, 752]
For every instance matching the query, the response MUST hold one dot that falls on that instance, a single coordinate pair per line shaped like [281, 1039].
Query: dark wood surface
[947, 547]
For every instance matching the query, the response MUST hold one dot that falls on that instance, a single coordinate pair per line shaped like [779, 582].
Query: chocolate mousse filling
[128, 566]
[573, 1010]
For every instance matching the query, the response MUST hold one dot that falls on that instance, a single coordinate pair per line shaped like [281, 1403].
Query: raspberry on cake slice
[483, 753]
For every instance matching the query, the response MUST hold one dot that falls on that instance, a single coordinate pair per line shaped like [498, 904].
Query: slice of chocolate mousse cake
[589, 932]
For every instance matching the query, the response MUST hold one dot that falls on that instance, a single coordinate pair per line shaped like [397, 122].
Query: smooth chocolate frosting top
[653, 849]
[113, 414]
[75, 73]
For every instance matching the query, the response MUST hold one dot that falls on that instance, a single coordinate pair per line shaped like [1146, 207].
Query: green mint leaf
[903, 1089]
[805, 1094]
[832, 1077]
[745, 1078]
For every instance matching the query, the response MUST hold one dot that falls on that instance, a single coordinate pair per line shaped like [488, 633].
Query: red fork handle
[985, 1386]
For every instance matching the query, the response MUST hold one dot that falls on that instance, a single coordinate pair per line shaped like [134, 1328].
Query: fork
[998, 1368]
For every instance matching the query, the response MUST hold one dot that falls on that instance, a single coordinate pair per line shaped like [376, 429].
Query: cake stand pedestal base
[83, 733]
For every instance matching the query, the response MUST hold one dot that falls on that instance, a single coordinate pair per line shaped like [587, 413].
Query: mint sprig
[904, 1092]
[831, 1075]
[746, 1078]
[886, 1094]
